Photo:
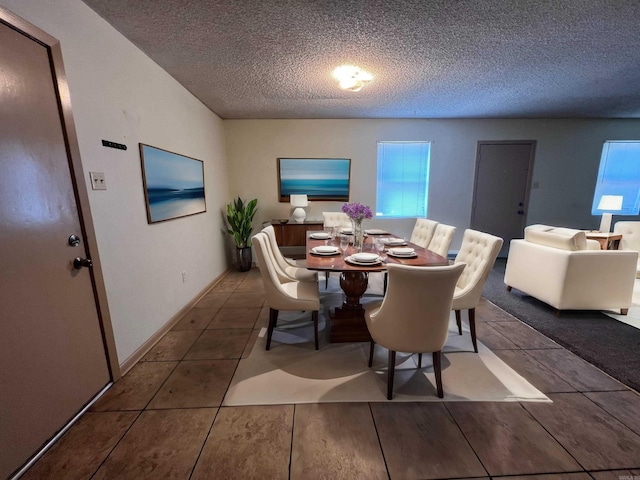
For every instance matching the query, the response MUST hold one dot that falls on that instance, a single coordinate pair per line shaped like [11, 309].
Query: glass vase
[358, 235]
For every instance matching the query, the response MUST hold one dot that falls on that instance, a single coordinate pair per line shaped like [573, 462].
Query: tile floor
[164, 420]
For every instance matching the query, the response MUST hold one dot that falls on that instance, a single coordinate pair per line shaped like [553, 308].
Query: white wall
[565, 166]
[119, 94]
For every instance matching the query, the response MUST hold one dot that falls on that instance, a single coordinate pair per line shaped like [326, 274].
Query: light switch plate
[97, 181]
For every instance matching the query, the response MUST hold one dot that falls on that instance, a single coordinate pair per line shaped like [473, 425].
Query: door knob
[78, 263]
[74, 240]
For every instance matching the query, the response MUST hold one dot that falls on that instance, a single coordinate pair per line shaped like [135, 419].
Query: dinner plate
[398, 255]
[365, 264]
[325, 250]
[320, 236]
[345, 231]
[402, 251]
[365, 257]
[376, 231]
[394, 241]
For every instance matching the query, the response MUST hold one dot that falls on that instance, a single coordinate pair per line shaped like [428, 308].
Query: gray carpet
[610, 345]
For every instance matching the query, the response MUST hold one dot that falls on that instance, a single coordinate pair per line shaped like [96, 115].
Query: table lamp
[609, 202]
[298, 202]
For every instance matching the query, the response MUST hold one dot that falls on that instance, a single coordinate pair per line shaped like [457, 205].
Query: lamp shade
[299, 200]
[610, 202]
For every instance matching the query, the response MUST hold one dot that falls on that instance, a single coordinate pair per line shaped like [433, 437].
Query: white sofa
[630, 232]
[560, 267]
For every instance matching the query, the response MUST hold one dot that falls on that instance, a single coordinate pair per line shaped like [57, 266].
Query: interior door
[501, 190]
[52, 356]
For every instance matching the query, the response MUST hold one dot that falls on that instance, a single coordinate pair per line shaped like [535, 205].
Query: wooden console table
[294, 234]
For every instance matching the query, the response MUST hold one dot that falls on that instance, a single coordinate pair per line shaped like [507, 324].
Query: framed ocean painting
[173, 184]
[318, 178]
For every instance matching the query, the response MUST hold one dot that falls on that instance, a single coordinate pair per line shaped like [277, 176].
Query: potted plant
[240, 215]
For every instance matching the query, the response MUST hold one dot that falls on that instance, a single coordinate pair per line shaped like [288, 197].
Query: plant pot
[243, 256]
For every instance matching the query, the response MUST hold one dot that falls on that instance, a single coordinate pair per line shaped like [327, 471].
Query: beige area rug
[294, 372]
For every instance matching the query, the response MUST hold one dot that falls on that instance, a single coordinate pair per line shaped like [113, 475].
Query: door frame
[527, 191]
[76, 171]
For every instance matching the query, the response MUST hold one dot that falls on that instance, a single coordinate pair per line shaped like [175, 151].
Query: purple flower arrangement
[357, 211]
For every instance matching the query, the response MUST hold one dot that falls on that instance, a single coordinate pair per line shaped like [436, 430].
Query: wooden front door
[52, 355]
[501, 190]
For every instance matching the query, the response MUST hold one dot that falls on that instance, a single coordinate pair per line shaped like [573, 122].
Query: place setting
[394, 242]
[325, 250]
[402, 252]
[364, 259]
[320, 235]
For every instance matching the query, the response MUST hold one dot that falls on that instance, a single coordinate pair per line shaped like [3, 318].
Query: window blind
[403, 179]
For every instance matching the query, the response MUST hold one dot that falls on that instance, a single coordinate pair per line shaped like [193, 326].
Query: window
[618, 185]
[403, 179]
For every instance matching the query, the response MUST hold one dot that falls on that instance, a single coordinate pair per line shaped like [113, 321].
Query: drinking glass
[377, 246]
[344, 242]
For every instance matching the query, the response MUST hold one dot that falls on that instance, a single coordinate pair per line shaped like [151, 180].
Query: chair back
[630, 235]
[274, 293]
[275, 248]
[414, 315]
[441, 240]
[478, 251]
[423, 232]
[279, 266]
[336, 219]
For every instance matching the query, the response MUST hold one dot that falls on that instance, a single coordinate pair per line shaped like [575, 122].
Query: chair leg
[273, 319]
[326, 280]
[472, 327]
[314, 316]
[459, 322]
[371, 347]
[437, 369]
[419, 360]
[392, 369]
[384, 284]
[508, 288]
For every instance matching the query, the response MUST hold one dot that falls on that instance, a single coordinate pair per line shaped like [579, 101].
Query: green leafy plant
[240, 215]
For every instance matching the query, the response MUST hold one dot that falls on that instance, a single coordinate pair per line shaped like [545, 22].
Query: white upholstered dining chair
[441, 240]
[423, 232]
[414, 315]
[478, 253]
[288, 267]
[336, 219]
[289, 295]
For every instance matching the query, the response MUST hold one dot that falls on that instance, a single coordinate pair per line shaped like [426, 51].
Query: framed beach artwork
[319, 178]
[173, 184]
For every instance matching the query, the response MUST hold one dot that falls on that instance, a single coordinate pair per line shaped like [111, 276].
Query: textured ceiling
[429, 58]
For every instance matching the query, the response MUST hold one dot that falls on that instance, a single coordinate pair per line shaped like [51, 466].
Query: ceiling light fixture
[351, 78]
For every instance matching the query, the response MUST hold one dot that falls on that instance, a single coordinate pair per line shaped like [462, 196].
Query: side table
[608, 241]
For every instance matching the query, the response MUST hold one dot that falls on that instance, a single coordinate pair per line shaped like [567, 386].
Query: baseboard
[143, 349]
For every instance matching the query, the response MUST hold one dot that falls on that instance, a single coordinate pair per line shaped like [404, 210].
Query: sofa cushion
[557, 237]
